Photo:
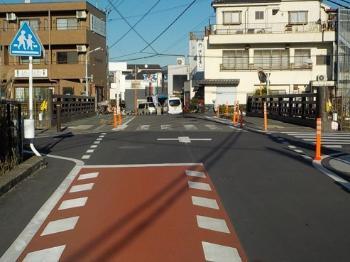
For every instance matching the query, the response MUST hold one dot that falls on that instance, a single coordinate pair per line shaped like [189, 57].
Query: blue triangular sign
[25, 42]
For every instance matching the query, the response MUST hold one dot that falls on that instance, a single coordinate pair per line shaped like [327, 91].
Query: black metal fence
[301, 109]
[11, 133]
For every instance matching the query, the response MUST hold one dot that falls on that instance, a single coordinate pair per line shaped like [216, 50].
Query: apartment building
[293, 41]
[73, 34]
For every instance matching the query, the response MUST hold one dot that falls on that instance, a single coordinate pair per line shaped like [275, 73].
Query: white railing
[270, 28]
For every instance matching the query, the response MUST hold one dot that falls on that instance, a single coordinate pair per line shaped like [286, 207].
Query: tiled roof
[217, 82]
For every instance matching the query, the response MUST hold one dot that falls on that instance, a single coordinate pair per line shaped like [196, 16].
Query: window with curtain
[271, 59]
[232, 18]
[298, 17]
[235, 59]
[259, 15]
[302, 58]
[67, 23]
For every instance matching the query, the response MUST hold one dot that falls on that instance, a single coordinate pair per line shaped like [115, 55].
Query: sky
[162, 13]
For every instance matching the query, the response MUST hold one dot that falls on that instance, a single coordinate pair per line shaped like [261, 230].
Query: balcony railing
[269, 28]
[253, 67]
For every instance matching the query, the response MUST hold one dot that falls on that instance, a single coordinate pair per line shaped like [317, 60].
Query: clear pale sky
[174, 41]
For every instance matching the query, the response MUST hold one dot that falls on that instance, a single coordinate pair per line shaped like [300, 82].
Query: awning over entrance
[217, 82]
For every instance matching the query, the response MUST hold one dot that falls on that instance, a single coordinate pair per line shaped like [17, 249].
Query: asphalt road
[281, 208]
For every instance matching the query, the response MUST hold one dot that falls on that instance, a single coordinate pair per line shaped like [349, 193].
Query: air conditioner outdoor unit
[180, 61]
[321, 78]
[81, 14]
[81, 48]
[10, 16]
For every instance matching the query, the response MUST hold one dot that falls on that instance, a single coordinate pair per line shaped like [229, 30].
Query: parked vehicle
[173, 106]
[147, 108]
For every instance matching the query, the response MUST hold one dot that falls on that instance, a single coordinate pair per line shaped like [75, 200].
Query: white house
[117, 79]
[292, 40]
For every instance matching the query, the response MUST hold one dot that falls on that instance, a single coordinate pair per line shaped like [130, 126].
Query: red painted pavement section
[137, 214]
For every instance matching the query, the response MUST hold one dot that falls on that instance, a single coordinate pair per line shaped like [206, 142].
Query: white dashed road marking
[88, 176]
[79, 188]
[199, 185]
[194, 173]
[205, 202]
[219, 253]
[60, 225]
[49, 254]
[73, 203]
[85, 157]
[214, 224]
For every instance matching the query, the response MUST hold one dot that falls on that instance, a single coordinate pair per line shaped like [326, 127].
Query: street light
[86, 69]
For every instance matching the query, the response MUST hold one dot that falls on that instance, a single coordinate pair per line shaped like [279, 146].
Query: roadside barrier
[265, 116]
[115, 121]
[318, 139]
[120, 119]
[240, 119]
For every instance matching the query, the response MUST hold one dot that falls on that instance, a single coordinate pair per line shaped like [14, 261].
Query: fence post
[265, 116]
[318, 138]
[58, 116]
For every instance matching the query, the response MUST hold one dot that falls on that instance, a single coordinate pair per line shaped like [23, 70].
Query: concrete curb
[19, 173]
[325, 163]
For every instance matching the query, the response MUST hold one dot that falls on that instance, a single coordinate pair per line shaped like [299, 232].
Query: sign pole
[31, 88]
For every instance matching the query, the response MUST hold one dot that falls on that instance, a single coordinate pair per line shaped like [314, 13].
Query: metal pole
[135, 96]
[86, 75]
[31, 88]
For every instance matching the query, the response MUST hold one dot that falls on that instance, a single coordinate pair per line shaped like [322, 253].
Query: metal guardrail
[301, 109]
[11, 132]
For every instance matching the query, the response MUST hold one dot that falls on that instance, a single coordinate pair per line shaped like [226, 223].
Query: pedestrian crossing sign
[25, 42]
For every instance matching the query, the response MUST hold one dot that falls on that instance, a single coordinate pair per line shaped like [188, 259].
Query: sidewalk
[339, 164]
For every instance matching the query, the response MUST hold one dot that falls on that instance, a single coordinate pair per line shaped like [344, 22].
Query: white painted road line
[143, 127]
[49, 254]
[94, 146]
[90, 151]
[292, 147]
[299, 151]
[60, 225]
[214, 224]
[85, 157]
[73, 203]
[88, 176]
[190, 127]
[219, 253]
[99, 139]
[79, 188]
[165, 127]
[199, 185]
[195, 173]
[97, 142]
[205, 202]
[212, 127]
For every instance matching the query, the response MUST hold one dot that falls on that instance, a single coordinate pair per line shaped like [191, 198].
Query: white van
[173, 106]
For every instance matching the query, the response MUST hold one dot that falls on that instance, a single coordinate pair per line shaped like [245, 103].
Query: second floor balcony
[250, 33]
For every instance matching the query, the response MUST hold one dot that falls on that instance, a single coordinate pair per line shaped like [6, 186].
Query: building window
[67, 23]
[70, 57]
[302, 58]
[235, 59]
[323, 60]
[33, 23]
[68, 91]
[259, 15]
[232, 18]
[298, 17]
[25, 60]
[271, 59]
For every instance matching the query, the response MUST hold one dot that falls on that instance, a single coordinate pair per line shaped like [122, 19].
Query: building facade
[290, 40]
[117, 72]
[69, 32]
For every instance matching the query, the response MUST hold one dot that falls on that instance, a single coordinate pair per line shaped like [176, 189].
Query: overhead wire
[133, 27]
[127, 22]
[170, 25]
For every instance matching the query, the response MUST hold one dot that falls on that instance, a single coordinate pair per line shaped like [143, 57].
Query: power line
[133, 27]
[126, 21]
[155, 12]
[171, 24]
